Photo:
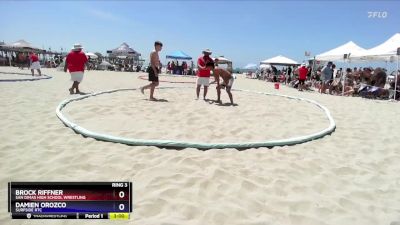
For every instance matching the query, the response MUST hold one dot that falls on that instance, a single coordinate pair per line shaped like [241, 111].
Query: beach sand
[348, 177]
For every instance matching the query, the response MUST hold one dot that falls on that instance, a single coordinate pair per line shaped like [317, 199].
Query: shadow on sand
[219, 103]
[156, 100]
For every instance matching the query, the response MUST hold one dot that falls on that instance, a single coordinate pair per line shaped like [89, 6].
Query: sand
[349, 177]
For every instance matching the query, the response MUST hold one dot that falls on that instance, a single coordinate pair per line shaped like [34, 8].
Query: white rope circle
[186, 144]
[43, 77]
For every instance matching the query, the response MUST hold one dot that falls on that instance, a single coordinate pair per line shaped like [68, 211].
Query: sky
[243, 31]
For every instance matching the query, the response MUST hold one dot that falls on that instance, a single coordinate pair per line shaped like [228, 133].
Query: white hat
[303, 64]
[77, 47]
[207, 51]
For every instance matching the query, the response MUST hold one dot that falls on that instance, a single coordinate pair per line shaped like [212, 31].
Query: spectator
[326, 76]
[35, 64]
[75, 63]
[203, 73]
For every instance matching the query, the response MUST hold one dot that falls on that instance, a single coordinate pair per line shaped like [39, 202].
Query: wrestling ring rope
[187, 144]
[145, 77]
[43, 77]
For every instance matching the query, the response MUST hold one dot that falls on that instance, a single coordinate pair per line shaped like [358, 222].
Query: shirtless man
[154, 70]
[227, 79]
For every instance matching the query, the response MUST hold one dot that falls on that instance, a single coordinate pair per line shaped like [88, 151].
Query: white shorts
[77, 76]
[230, 83]
[35, 65]
[205, 81]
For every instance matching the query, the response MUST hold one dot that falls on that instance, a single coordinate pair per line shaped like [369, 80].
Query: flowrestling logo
[377, 14]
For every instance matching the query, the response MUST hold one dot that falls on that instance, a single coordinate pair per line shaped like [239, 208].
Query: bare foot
[153, 99]
[71, 91]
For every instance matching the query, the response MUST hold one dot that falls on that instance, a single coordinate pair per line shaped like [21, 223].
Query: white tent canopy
[20, 45]
[262, 66]
[337, 54]
[383, 51]
[279, 60]
[222, 59]
[92, 55]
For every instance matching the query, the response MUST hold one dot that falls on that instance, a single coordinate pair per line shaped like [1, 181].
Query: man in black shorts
[153, 70]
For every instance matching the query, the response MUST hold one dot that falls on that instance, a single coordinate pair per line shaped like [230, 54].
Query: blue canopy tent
[179, 55]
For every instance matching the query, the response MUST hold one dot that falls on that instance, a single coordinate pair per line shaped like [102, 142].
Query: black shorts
[152, 75]
[301, 81]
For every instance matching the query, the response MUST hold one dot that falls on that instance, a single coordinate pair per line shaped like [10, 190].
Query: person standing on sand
[35, 64]
[326, 75]
[21, 60]
[203, 73]
[75, 63]
[302, 76]
[154, 70]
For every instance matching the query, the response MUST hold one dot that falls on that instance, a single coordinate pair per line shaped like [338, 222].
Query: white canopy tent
[21, 45]
[337, 54]
[280, 60]
[262, 66]
[222, 59]
[385, 51]
[92, 55]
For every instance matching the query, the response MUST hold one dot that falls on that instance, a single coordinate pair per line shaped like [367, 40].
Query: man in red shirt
[75, 63]
[302, 76]
[203, 73]
[35, 64]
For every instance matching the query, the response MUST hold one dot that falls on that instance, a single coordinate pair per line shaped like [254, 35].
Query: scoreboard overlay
[70, 200]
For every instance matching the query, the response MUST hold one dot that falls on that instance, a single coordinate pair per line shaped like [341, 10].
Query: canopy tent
[21, 45]
[92, 55]
[262, 66]
[337, 54]
[385, 51]
[179, 55]
[222, 60]
[251, 66]
[280, 61]
[123, 50]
